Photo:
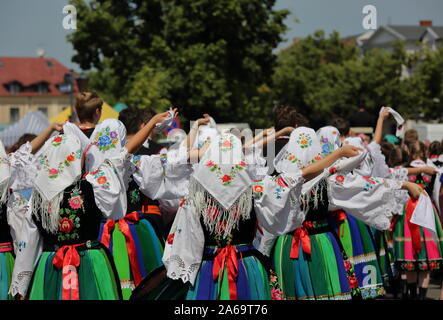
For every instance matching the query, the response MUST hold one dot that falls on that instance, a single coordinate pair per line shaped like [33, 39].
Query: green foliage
[326, 76]
[200, 55]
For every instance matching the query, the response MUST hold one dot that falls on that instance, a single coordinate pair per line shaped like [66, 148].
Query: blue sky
[26, 25]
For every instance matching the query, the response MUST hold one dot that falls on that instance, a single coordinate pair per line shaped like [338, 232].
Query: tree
[323, 77]
[207, 56]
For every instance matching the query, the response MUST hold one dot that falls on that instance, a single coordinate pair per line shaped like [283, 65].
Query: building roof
[410, 33]
[31, 71]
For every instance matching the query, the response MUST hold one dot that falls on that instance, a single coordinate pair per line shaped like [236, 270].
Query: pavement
[432, 294]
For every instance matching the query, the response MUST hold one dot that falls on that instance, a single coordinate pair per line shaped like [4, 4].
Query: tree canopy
[219, 57]
[200, 55]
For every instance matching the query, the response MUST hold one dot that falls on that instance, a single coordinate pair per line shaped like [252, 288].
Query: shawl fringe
[217, 219]
[47, 211]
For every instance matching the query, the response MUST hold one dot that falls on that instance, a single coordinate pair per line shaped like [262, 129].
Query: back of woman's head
[435, 148]
[27, 137]
[411, 136]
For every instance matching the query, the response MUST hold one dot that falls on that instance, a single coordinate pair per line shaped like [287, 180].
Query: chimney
[427, 23]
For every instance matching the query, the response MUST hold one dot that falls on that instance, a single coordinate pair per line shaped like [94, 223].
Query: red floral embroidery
[368, 179]
[258, 188]
[281, 182]
[226, 178]
[340, 179]
[102, 180]
[353, 282]
[171, 238]
[210, 163]
[76, 202]
[332, 170]
[347, 265]
[70, 158]
[66, 225]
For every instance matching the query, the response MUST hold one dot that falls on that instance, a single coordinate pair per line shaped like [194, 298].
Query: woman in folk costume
[310, 260]
[134, 242]
[417, 251]
[210, 244]
[67, 206]
[357, 238]
[17, 171]
[6, 247]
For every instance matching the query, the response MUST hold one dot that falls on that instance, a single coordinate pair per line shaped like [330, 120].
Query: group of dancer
[100, 211]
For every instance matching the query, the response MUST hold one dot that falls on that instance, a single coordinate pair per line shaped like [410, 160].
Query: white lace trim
[20, 283]
[180, 270]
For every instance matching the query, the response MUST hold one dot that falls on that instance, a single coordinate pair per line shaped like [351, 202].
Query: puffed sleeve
[23, 168]
[276, 202]
[30, 247]
[159, 178]
[380, 168]
[109, 185]
[368, 199]
[257, 168]
[184, 247]
[401, 196]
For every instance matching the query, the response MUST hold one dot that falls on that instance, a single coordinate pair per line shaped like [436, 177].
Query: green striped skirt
[97, 276]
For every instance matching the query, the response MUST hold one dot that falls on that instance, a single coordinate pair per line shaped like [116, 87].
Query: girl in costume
[417, 251]
[18, 170]
[136, 245]
[310, 260]
[210, 247]
[67, 208]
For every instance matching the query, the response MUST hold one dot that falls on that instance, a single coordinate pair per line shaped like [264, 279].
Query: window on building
[42, 88]
[14, 115]
[44, 110]
[14, 87]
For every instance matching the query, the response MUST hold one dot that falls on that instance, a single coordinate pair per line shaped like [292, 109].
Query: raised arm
[269, 137]
[140, 137]
[379, 128]
[190, 138]
[316, 168]
[40, 140]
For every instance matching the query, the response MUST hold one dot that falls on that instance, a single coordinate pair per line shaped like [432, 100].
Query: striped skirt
[431, 253]
[321, 271]
[251, 282]
[136, 248]
[94, 278]
[6, 268]
[359, 245]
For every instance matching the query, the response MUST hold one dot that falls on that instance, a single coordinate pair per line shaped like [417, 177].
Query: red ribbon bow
[340, 215]
[300, 234]
[415, 229]
[108, 228]
[68, 259]
[227, 255]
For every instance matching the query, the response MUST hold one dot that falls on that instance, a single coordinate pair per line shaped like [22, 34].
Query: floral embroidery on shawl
[226, 178]
[258, 187]
[291, 157]
[304, 140]
[226, 143]
[53, 173]
[106, 139]
[58, 140]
